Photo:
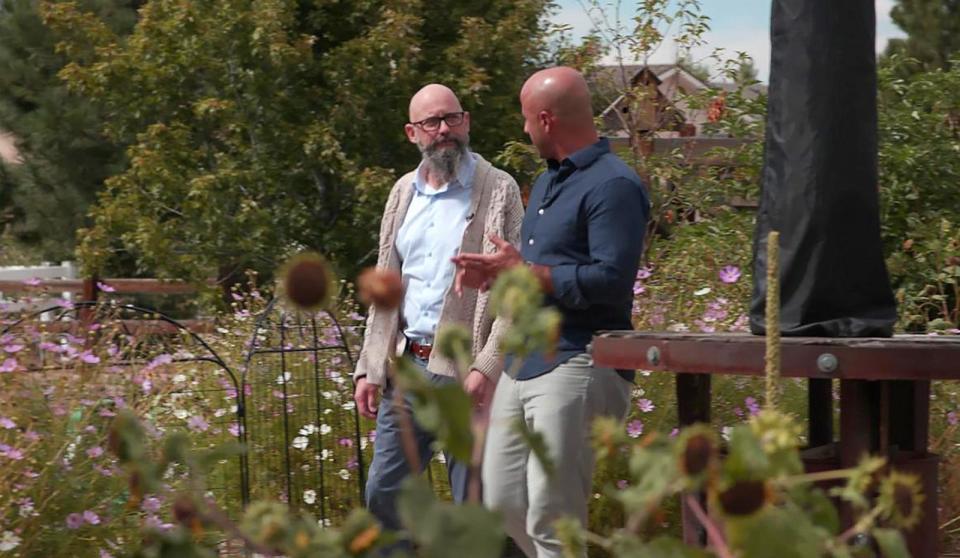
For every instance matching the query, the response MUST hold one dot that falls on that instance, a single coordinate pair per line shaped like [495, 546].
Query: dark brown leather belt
[420, 350]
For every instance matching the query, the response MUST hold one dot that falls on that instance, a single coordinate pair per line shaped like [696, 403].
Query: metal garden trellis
[285, 336]
[301, 390]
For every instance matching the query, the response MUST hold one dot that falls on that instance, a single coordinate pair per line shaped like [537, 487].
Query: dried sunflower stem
[713, 534]
[407, 440]
[480, 422]
[772, 357]
[860, 526]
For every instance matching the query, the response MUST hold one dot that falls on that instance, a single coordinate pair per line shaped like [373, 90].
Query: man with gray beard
[455, 201]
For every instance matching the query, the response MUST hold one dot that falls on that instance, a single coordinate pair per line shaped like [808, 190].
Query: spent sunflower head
[307, 281]
[745, 497]
[382, 288]
[697, 451]
[901, 499]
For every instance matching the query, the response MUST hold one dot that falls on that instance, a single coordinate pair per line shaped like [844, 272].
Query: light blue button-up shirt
[430, 235]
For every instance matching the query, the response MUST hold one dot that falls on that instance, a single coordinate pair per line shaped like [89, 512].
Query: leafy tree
[933, 33]
[919, 126]
[66, 157]
[259, 128]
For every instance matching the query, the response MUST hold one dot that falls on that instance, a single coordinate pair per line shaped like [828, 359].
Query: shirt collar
[584, 157]
[464, 178]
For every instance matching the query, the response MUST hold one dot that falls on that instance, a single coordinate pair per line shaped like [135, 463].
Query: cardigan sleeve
[489, 360]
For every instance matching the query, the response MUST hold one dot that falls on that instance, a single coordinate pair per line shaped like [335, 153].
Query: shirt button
[530, 242]
[541, 211]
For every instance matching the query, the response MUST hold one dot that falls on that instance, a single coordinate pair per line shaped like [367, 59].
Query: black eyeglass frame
[458, 116]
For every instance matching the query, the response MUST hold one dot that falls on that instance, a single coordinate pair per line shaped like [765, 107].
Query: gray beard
[443, 163]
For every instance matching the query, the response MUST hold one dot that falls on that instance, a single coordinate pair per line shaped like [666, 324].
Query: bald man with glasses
[453, 202]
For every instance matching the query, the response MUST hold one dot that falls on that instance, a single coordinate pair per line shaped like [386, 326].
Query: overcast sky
[736, 25]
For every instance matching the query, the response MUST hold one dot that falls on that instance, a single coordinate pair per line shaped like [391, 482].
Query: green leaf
[746, 458]
[777, 532]
[891, 543]
[442, 529]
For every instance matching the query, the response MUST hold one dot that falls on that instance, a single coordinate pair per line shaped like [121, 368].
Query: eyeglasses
[453, 119]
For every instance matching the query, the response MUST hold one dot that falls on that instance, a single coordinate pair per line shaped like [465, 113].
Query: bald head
[562, 91]
[557, 112]
[431, 99]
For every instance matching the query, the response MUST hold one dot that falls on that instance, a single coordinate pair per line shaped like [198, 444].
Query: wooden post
[693, 406]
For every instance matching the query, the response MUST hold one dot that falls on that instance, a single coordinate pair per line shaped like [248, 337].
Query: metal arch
[214, 358]
[273, 308]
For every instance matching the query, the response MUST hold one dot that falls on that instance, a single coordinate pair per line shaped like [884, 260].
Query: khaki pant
[561, 405]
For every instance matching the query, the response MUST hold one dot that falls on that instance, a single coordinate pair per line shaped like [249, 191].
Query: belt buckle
[421, 350]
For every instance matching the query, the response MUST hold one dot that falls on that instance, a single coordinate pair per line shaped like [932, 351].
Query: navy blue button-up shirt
[586, 219]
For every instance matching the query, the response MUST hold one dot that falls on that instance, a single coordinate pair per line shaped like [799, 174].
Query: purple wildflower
[729, 274]
[952, 418]
[9, 365]
[91, 517]
[752, 405]
[621, 484]
[94, 452]
[644, 273]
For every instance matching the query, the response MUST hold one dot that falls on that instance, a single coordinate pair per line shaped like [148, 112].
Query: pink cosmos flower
[197, 424]
[14, 454]
[644, 273]
[32, 282]
[105, 287]
[621, 484]
[634, 428]
[638, 288]
[952, 418]
[729, 274]
[151, 504]
[13, 348]
[94, 452]
[752, 405]
[74, 521]
[7, 423]
[89, 357]
[91, 517]
[346, 442]
[674, 432]
[645, 405]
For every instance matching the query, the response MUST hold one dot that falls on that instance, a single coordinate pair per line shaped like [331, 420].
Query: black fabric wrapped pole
[819, 182]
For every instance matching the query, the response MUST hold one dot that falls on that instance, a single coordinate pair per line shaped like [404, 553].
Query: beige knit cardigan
[495, 208]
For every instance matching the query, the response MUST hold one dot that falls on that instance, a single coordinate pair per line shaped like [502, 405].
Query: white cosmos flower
[701, 292]
[8, 541]
[308, 429]
[284, 378]
[325, 429]
[344, 474]
[300, 442]
[180, 413]
[309, 496]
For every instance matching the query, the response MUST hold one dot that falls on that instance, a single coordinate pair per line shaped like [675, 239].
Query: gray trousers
[561, 405]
